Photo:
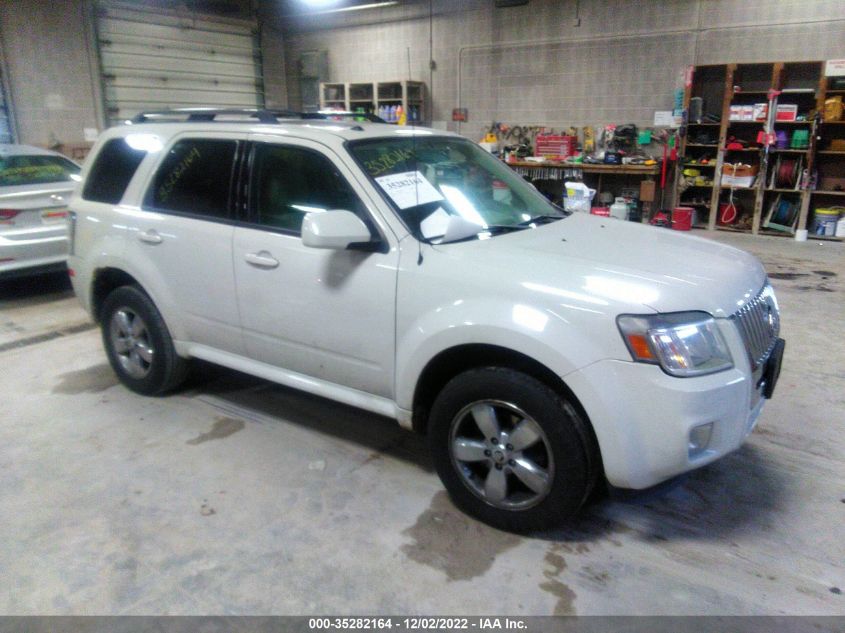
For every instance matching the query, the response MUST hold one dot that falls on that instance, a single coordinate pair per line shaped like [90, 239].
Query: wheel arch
[105, 281]
[455, 360]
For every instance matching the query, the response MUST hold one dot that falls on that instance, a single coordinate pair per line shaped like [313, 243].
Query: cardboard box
[739, 175]
[647, 190]
[830, 183]
[739, 169]
[738, 181]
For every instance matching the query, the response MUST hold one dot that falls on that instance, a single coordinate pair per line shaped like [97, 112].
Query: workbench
[575, 171]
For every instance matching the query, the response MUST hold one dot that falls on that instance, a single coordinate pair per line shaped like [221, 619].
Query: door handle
[150, 237]
[262, 259]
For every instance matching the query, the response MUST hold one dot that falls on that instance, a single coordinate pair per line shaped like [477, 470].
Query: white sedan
[35, 187]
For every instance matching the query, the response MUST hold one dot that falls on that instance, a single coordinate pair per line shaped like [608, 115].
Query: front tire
[138, 343]
[510, 450]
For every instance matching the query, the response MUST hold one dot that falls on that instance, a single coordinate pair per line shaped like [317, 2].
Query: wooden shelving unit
[781, 200]
[829, 163]
[377, 98]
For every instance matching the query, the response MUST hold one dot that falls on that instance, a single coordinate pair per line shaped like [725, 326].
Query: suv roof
[313, 125]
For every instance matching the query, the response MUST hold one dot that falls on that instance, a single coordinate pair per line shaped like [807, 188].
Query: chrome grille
[758, 322]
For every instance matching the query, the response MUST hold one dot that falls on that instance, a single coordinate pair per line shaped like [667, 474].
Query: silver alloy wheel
[131, 342]
[502, 455]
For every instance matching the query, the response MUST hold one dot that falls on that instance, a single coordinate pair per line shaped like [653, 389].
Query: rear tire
[510, 450]
[138, 343]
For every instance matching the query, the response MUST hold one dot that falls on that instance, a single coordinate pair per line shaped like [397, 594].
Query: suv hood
[626, 264]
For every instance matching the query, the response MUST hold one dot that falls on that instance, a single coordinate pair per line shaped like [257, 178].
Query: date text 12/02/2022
[418, 623]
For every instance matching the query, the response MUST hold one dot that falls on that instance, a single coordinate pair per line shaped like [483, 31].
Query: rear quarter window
[111, 172]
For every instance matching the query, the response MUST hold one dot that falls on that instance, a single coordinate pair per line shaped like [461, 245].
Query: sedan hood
[629, 264]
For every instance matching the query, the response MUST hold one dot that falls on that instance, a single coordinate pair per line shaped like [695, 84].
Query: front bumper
[643, 417]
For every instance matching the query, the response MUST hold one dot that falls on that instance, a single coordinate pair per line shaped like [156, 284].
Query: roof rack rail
[263, 115]
[210, 114]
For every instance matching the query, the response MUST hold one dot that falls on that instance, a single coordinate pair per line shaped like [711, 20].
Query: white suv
[407, 272]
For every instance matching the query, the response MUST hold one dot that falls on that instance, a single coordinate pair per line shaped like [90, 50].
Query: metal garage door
[5, 125]
[154, 60]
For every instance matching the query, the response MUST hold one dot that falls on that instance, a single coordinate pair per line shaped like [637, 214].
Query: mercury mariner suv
[407, 272]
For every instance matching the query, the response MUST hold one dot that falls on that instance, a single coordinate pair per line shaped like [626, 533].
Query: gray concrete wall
[526, 65]
[532, 65]
[50, 73]
[52, 65]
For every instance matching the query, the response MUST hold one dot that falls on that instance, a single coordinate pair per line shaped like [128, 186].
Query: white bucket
[578, 197]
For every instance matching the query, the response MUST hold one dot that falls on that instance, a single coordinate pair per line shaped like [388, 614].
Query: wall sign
[834, 68]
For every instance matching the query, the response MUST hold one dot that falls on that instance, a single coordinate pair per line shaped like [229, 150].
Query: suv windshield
[36, 169]
[448, 189]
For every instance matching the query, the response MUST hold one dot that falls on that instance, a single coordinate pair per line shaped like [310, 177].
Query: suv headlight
[682, 343]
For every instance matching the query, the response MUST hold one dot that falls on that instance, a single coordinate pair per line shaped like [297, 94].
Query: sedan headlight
[682, 343]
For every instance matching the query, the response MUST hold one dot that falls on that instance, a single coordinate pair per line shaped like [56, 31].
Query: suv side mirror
[337, 230]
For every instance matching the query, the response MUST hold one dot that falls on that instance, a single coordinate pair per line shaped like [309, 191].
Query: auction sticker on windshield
[409, 189]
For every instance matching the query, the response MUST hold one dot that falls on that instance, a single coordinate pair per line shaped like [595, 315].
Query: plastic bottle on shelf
[401, 118]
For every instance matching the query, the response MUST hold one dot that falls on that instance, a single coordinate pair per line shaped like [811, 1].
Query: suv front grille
[758, 322]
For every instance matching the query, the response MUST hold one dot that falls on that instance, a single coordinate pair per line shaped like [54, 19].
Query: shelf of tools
[749, 145]
[616, 167]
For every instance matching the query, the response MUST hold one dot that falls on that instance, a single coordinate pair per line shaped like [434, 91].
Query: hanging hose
[729, 212]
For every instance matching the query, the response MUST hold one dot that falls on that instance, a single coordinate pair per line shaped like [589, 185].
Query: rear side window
[195, 178]
[112, 170]
[35, 170]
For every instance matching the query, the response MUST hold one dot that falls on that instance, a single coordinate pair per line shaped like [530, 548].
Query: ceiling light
[357, 7]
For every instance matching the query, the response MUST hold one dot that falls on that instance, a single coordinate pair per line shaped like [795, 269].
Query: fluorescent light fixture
[412, 132]
[357, 7]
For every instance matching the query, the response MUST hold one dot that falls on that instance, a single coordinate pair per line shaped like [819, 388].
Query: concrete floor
[237, 496]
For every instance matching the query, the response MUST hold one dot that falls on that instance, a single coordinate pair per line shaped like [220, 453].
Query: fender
[538, 333]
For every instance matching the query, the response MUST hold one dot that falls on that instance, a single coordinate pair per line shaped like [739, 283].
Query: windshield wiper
[541, 219]
[504, 228]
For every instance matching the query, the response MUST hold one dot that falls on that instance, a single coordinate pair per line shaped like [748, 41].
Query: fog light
[699, 439]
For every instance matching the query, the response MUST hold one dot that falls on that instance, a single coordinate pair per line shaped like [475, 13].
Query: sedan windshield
[448, 189]
[35, 170]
